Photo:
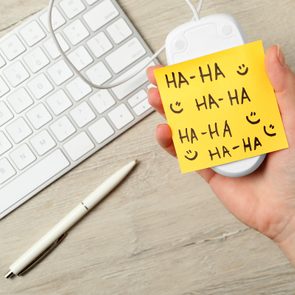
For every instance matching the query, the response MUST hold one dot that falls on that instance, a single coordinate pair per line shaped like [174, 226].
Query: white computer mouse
[198, 38]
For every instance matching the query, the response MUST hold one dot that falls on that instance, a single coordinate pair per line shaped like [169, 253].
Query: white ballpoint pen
[50, 240]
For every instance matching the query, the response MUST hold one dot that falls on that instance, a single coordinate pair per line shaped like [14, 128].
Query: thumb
[283, 82]
[282, 79]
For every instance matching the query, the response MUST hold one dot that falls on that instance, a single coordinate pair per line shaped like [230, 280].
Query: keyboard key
[19, 100]
[100, 15]
[137, 98]
[62, 128]
[3, 87]
[101, 130]
[2, 62]
[5, 144]
[79, 146]
[40, 86]
[132, 51]
[99, 74]
[32, 33]
[91, 1]
[59, 102]
[60, 72]
[76, 32]
[126, 88]
[82, 114]
[52, 49]
[142, 107]
[12, 47]
[43, 143]
[22, 157]
[39, 116]
[16, 73]
[72, 8]
[19, 130]
[102, 101]
[6, 172]
[32, 179]
[80, 58]
[99, 45]
[119, 31]
[78, 89]
[5, 113]
[57, 19]
[36, 60]
[121, 116]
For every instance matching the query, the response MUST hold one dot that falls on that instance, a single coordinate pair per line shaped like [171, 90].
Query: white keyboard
[50, 120]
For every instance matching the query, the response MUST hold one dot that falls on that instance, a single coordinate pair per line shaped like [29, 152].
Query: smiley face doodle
[178, 105]
[190, 156]
[272, 127]
[252, 120]
[243, 70]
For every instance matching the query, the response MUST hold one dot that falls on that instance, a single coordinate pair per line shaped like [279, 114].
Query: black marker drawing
[255, 121]
[194, 157]
[251, 144]
[243, 70]
[272, 127]
[178, 105]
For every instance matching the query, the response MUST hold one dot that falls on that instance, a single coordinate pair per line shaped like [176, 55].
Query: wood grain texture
[160, 233]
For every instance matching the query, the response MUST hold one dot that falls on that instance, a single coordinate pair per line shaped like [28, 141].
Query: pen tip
[9, 275]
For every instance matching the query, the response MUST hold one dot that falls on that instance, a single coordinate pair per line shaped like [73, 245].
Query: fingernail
[281, 56]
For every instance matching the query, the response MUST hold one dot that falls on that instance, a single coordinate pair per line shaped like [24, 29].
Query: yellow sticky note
[221, 108]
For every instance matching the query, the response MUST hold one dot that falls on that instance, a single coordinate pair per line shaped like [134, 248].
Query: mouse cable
[195, 10]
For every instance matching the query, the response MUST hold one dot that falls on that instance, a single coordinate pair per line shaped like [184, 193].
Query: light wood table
[160, 232]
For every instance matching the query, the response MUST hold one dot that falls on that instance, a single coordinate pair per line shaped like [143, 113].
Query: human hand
[264, 200]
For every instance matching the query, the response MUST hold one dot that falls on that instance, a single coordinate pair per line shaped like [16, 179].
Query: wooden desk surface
[160, 232]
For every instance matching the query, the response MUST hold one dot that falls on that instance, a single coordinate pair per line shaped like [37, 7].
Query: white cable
[200, 5]
[195, 11]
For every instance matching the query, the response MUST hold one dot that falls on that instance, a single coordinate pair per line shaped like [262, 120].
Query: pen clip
[46, 252]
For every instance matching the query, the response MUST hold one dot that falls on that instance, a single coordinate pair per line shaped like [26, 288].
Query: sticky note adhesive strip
[221, 108]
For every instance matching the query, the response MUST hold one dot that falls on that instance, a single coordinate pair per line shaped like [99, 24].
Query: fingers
[283, 82]
[207, 174]
[150, 74]
[163, 131]
[153, 93]
[280, 75]
[155, 100]
[164, 138]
